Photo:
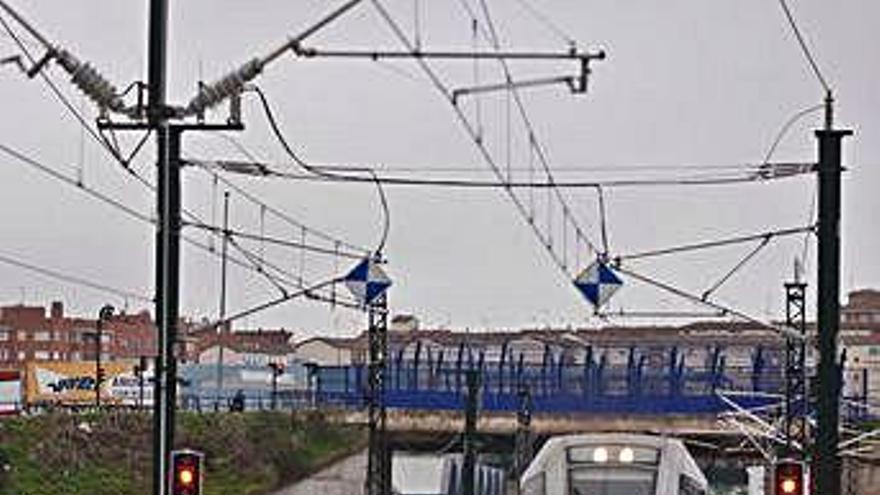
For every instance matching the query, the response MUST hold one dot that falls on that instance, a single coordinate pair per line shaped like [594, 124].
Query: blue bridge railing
[660, 383]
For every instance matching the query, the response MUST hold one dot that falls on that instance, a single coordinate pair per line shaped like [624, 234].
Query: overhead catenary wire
[83, 75]
[212, 94]
[579, 169]
[727, 276]
[281, 215]
[62, 98]
[547, 22]
[417, 23]
[713, 244]
[114, 203]
[354, 255]
[252, 261]
[72, 279]
[328, 171]
[84, 124]
[769, 172]
[779, 137]
[493, 37]
[804, 48]
[257, 265]
[484, 152]
[782, 331]
[66, 60]
[282, 276]
[308, 292]
[785, 127]
[651, 314]
[100, 196]
[255, 262]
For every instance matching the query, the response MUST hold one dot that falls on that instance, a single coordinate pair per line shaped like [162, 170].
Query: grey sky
[686, 83]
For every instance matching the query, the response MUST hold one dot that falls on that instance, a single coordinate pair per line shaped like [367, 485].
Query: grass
[110, 453]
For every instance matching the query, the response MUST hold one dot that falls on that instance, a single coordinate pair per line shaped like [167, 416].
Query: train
[613, 464]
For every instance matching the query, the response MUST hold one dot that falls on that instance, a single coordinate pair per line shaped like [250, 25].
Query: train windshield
[612, 481]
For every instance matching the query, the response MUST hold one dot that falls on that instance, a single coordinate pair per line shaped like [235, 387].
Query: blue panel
[606, 276]
[375, 289]
[590, 291]
[360, 272]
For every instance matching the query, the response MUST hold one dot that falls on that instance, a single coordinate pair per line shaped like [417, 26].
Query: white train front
[613, 464]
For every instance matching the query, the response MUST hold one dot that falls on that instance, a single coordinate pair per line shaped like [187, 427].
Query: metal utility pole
[796, 397]
[379, 461]
[277, 370]
[469, 463]
[523, 448]
[141, 368]
[826, 463]
[223, 328]
[167, 297]
[103, 315]
[167, 247]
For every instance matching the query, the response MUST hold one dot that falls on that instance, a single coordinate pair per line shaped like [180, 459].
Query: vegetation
[110, 453]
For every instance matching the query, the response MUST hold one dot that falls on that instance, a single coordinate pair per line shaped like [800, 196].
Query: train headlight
[600, 454]
[626, 455]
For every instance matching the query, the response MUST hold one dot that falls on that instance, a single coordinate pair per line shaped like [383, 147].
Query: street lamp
[104, 314]
[277, 370]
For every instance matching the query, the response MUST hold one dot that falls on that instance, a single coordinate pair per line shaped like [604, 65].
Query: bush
[110, 453]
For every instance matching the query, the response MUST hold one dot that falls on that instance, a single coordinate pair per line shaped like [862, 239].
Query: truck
[73, 383]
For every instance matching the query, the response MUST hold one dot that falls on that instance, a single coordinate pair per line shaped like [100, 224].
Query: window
[4, 335]
[610, 469]
[41, 355]
[612, 481]
[22, 356]
[42, 336]
[4, 354]
[22, 335]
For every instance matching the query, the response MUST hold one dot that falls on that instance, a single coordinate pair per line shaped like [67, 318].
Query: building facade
[30, 333]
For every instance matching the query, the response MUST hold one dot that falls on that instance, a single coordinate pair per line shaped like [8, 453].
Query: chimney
[57, 311]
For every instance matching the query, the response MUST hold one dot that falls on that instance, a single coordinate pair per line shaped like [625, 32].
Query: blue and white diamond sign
[598, 283]
[367, 281]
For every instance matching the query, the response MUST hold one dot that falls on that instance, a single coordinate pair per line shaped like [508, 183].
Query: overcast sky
[686, 83]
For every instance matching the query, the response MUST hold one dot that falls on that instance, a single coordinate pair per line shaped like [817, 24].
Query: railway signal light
[789, 478]
[186, 472]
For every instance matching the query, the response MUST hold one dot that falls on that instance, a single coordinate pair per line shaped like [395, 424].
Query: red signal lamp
[186, 472]
[789, 478]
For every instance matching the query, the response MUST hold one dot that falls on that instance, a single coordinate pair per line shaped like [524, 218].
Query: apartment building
[31, 333]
